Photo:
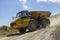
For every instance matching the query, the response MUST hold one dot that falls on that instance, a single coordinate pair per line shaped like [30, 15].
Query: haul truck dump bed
[41, 14]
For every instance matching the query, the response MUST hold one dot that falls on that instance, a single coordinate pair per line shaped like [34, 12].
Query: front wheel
[22, 30]
[32, 26]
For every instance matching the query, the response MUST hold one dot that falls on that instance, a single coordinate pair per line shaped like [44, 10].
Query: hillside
[49, 33]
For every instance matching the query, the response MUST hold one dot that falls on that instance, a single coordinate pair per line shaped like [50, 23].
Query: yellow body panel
[21, 23]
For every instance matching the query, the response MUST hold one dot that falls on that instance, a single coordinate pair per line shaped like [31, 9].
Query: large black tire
[22, 30]
[45, 22]
[32, 26]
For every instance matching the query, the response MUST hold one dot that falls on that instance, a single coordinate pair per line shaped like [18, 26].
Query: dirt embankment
[48, 33]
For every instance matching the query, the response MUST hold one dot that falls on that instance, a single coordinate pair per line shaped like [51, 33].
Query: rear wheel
[45, 23]
[32, 26]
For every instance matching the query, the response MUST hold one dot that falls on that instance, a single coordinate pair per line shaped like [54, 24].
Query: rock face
[48, 33]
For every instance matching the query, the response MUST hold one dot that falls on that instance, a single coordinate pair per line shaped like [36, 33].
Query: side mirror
[12, 18]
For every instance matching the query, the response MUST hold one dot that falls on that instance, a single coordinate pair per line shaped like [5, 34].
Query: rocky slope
[48, 33]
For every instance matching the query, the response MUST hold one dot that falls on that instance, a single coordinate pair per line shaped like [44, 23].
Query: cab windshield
[22, 14]
[19, 15]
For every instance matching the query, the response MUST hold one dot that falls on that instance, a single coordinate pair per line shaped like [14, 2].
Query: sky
[9, 8]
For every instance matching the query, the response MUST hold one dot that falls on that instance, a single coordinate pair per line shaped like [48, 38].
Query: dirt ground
[49, 33]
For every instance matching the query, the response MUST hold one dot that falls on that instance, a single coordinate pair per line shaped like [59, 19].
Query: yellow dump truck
[30, 20]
